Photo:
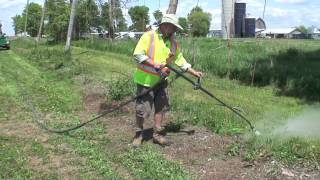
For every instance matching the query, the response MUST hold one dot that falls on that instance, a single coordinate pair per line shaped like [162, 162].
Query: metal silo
[239, 16]
[227, 21]
[250, 27]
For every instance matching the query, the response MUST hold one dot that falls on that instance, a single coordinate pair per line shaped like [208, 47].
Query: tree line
[93, 16]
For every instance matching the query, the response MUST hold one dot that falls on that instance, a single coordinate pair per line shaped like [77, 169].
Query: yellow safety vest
[152, 45]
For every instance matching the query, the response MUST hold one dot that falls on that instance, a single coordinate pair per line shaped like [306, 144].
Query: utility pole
[41, 21]
[172, 7]
[26, 20]
[71, 22]
[111, 19]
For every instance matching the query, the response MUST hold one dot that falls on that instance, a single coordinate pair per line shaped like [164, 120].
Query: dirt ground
[198, 150]
[201, 152]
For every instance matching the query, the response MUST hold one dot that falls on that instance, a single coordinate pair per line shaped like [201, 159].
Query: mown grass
[140, 161]
[15, 159]
[273, 61]
[62, 97]
[47, 76]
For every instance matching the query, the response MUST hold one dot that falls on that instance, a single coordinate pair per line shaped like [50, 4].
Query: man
[155, 49]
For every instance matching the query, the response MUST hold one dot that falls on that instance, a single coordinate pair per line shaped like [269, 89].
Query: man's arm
[185, 66]
[195, 73]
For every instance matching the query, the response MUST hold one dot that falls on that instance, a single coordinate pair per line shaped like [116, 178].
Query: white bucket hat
[172, 19]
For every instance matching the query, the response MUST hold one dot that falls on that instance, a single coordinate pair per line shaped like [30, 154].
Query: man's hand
[197, 74]
[158, 66]
[163, 71]
[170, 58]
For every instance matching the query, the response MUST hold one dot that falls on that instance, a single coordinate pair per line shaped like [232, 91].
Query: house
[315, 33]
[260, 24]
[214, 33]
[290, 33]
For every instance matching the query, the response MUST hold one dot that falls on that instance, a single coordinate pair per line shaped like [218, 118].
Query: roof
[279, 30]
[315, 31]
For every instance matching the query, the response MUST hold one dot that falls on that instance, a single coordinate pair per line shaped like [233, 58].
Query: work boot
[158, 137]
[137, 140]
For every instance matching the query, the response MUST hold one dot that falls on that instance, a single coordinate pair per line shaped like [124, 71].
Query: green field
[273, 81]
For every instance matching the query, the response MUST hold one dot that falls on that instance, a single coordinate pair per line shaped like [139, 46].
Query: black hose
[36, 114]
[198, 86]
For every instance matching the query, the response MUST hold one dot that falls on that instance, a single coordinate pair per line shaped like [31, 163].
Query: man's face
[167, 29]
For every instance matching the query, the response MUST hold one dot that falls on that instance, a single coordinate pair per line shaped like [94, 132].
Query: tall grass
[194, 107]
[289, 65]
[121, 47]
[46, 74]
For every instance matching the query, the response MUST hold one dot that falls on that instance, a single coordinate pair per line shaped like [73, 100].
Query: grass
[54, 91]
[257, 62]
[274, 60]
[16, 155]
[13, 161]
[140, 161]
[49, 77]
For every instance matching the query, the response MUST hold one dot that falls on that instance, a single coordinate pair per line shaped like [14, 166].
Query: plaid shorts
[157, 98]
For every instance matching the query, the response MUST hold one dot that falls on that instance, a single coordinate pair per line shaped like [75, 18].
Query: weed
[145, 163]
[233, 150]
[120, 88]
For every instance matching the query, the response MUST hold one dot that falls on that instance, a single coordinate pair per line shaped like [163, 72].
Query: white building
[315, 34]
[282, 33]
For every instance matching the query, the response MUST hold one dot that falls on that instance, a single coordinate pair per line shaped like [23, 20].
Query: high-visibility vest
[145, 74]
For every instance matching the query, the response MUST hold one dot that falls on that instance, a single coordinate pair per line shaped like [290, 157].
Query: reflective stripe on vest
[151, 50]
[151, 47]
[148, 69]
[173, 45]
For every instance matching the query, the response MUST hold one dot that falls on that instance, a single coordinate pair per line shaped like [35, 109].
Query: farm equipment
[4, 43]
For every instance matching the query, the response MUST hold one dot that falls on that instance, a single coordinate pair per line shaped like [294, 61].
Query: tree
[71, 23]
[41, 21]
[104, 18]
[302, 29]
[139, 16]
[172, 7]
[58, 19]
[87, 16]
[158, 15]
[120, 22]
[184, 24]
[34, 14]
[18, 24]
[200, 22]
[26, 19]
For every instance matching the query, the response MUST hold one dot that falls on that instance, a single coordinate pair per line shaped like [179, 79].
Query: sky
[278, 14]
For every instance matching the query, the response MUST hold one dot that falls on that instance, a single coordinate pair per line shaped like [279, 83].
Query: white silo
[227, 19]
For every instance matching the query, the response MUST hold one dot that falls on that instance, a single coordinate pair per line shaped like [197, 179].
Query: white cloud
[277, 12]
[16, 3]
